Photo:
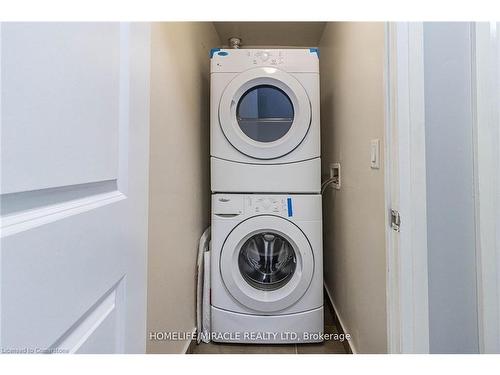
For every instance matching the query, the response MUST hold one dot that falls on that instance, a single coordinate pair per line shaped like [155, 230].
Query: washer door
[265, 113]
[267, 263]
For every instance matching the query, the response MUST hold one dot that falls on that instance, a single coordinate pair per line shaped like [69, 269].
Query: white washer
[265, 120]
[266, 268]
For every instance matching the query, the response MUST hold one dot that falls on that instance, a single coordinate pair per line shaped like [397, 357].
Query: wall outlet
[335, 175]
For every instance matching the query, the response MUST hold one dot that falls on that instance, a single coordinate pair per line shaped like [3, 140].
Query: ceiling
[293, 34]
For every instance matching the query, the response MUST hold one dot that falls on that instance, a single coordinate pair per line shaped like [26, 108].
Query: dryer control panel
[269, 57]
[295, 60]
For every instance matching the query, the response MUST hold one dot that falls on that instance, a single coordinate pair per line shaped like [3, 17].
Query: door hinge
[395, 220]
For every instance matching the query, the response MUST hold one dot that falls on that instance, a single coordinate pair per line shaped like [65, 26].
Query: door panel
[97, 330]
[74, 268]
[60, 104]
[75, 128]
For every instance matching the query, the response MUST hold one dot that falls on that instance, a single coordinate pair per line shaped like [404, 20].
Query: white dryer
[265, 120]
[266, 268]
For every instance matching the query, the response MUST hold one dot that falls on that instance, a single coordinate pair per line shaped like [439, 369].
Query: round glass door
[267, 261]
[265, 113]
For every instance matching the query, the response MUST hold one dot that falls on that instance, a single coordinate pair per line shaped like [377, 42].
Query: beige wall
[352, 92]
[271, 34]
[179, 173]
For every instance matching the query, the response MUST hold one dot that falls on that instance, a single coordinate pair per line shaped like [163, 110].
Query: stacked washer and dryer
[266, 269]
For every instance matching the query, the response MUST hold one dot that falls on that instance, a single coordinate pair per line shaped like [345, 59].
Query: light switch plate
[375, 153]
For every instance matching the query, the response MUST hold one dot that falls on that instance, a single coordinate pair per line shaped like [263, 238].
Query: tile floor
[326, 347]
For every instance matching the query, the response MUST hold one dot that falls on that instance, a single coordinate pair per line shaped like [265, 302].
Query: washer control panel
[276, 205]
[236, 205]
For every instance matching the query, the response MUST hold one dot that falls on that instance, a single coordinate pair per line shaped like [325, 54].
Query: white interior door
[74, 159]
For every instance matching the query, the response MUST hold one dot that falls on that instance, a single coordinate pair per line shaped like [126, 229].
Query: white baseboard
[349, 342]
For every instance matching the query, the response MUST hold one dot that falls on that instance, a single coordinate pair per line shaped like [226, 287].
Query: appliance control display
[266, 57]
[271, 205]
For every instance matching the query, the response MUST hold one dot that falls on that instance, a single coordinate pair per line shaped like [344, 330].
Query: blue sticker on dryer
[314, 50]
[212, 51]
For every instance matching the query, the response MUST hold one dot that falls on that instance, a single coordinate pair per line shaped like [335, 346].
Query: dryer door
[267, 263]
[265, 113]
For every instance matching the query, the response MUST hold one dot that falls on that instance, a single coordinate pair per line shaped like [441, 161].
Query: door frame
[405, 181]
[485, 39]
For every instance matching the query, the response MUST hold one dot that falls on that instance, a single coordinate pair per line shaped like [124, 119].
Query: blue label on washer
[290, 209]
